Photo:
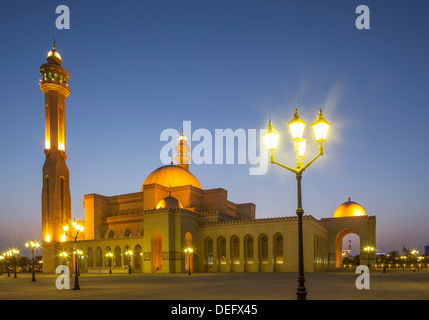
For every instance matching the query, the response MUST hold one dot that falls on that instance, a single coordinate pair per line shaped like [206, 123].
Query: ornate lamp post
[129, 254]
[109, 256]
[78, 232]
[271, 138]
[32, 245]
[188, 253]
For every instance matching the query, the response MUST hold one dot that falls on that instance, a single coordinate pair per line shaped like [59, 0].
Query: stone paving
[394, 285]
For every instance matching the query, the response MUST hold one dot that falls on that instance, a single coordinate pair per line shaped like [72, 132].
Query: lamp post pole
[15, 259]
[78, 228]
[32, 245]
[301, 292]
[129, 253]
[271, 137]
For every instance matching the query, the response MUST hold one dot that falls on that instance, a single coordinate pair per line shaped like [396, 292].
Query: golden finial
[349, 196]
[53, 46]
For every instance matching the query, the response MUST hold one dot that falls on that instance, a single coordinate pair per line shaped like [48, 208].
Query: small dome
[169, 202]
[171, 176]
[349, 209]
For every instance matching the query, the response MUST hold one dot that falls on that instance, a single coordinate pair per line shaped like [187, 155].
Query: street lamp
[32, 245]
[78, 232]
[368, 250]
[7, 255]
[64, 255]
[271, 138]
[109, 256]
[129, 253]
[78, 254]
[15, 253]
[188, 253]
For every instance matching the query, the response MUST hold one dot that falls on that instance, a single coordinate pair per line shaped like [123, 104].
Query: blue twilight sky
[139, 67]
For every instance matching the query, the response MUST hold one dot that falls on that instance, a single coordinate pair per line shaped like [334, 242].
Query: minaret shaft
[56, 201]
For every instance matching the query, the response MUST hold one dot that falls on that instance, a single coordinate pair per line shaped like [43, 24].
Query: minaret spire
[183, 152]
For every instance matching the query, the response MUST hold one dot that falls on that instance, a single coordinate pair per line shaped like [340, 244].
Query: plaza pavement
[395, 285]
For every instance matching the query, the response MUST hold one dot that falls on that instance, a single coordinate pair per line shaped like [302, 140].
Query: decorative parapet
[250, 221]
[348, 218]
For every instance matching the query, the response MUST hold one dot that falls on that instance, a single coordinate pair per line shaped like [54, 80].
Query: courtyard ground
[394, 285]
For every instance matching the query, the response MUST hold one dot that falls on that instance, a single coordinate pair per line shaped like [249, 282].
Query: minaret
[183, 153]
[56, 204]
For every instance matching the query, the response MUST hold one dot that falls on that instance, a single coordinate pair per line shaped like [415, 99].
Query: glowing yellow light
[296, 126]
[48, 144]
[48, 238]
[74, 223]
[66, 228]
[301, 145]
[63, 238]
[271, 137]
[61, 146]
[320, 128]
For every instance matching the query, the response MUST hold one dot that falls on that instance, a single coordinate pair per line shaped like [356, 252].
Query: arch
[90, 258]
[127, 258]
[208, 252]
[278, 250]
[338, 245]
[109, 234]
[221, 245]
[137, 261]
[141, 232]
[235, 250]
[189, 263]
[107, 261]
[126, 233]
[249, 252]
[263, 250]
[117, 255]
[156, 251]
[98, 258]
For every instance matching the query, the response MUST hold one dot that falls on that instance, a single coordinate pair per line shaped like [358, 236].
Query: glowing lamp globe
[320, 128]
[301, 145]
[271, 138]
[296, 126]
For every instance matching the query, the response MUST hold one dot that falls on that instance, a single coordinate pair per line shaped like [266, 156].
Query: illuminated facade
[172, 212]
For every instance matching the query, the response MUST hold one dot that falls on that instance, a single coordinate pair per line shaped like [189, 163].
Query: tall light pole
[32, 245]
[15, 253]
[78, 232]
[129, 254]
[271, 138]
[188, 253]
[109, 256]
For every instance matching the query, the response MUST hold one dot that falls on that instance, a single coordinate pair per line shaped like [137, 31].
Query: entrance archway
[339, 245]
[156, 251]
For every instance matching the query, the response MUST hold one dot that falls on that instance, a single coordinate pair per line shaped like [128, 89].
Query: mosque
[149, 230]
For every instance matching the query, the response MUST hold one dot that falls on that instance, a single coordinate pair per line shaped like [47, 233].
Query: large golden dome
[349, 209]
[172, 176]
